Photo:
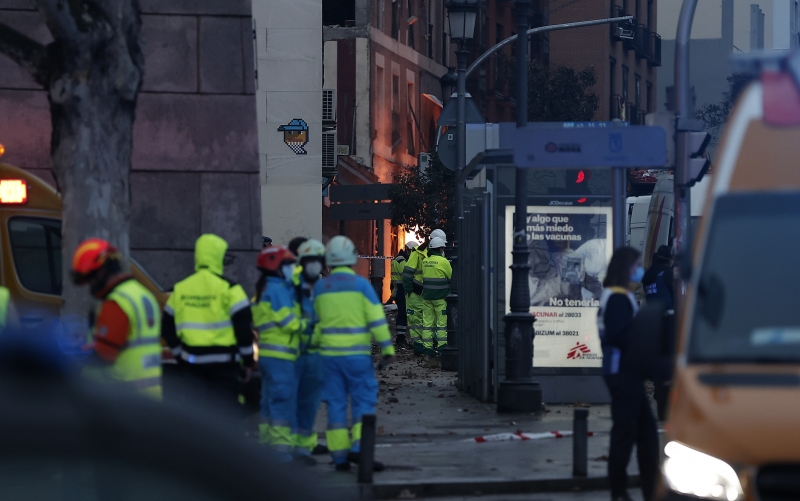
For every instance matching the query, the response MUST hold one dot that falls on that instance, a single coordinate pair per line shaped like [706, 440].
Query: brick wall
[195, 163]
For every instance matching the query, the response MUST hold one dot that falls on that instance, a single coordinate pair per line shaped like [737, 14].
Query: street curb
[411, 490]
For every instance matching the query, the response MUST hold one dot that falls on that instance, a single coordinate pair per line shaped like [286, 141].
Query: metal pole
[685, 112]
[618, 196]
[541, 29]
[367, 460]
[580, 443]
[450, 352]
[518, 392]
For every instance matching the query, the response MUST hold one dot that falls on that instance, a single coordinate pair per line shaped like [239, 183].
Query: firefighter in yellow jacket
[125, 339]
[436, 276]
[350, 316]
[412, 283]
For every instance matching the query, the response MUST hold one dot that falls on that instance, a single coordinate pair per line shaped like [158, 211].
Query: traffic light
[577, 183]
[692, 147]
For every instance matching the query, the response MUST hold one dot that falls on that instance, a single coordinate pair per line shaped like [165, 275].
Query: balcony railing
[642, 42]
[655, 49]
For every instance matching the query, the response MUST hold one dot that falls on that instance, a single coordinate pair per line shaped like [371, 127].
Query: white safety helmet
[341, 251]
[311, 248]
[437, 243]
[412, 244]
[438, 233]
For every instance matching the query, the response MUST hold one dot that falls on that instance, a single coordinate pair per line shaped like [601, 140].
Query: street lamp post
[461, 15]
[518, 392]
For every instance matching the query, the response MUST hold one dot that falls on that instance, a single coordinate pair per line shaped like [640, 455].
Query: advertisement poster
[569, 251]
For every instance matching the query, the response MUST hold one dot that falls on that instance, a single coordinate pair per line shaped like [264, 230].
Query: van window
[36, 248]
[746, 307]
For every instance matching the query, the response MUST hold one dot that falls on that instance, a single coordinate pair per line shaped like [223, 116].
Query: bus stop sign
[634, 146]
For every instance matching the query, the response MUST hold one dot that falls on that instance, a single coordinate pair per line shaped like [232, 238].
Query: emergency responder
[310, 376]
[350, 315]
[8, 315]
[207, 325]
[265, 242]
[125, 337]
[657, 283]
[412, 284]
[436, 275]
[631, 415]
[398, 292]
[279, 321]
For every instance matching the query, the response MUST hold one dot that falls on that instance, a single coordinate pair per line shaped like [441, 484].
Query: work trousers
[310, 378]
[209, 386]
[278, 404]
[632, 423]
[434, 324]
[401, 326]
[414, 310]
[351, 375]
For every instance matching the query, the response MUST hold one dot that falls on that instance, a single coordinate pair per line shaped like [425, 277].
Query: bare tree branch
[58, 15]
[26, 52]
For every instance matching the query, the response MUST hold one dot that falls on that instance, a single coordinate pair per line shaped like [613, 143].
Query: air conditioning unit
[328, 105]
[424, 161]
[330, 160]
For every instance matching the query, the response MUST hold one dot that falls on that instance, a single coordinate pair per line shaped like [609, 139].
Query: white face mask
[288, 271]
[312, 269]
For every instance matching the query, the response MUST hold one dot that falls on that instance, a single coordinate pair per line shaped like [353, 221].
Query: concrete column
[289, 104]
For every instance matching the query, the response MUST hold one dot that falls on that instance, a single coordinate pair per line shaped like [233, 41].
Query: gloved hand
[417, 289]
[386, 361]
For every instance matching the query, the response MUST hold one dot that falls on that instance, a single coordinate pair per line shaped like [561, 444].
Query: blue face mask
[638, 274]
[288, 272]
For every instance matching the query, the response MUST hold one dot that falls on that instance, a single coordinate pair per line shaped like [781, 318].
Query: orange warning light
[2, 150]
[13, 191]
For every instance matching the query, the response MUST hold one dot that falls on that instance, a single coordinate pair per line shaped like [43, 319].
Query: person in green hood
[207, 325]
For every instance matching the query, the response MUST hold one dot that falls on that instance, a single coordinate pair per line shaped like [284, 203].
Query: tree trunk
[94, 80]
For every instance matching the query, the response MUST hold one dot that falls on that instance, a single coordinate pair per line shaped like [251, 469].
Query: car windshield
[746, 308]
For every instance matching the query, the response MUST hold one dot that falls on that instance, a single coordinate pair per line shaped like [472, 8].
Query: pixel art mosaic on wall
[295, 135]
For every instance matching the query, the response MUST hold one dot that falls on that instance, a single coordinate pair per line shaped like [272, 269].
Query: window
[498, 33]
[737, 279]
[650, 15]
[430, 41]
[396, 137]
[638, 90]
[396, 19]
[650, 104]
[410, 138]
[625, 84]
[380, 13]
[36, 248]
[380, 90]
[411, 39]
[445, 44]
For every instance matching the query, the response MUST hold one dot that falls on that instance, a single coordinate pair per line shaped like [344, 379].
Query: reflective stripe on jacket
[412, 273]
[350, 315]
[278, 320]
[398, 265]
[203, 304]
[139, 362]
[5, 301]
[436, 275]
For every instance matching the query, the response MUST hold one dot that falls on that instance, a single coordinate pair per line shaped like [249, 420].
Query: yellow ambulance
[733, 431]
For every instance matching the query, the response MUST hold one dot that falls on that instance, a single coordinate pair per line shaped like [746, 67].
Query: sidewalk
[426, 433]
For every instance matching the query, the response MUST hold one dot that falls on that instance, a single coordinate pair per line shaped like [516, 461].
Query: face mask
[288, 272]
[638, 274]
[312, 269]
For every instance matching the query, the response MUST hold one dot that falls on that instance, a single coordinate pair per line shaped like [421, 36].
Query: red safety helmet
[271, 258]
[90, 256]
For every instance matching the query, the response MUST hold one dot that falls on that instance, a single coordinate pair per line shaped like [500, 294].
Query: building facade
[625, 57]
[195, 147]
